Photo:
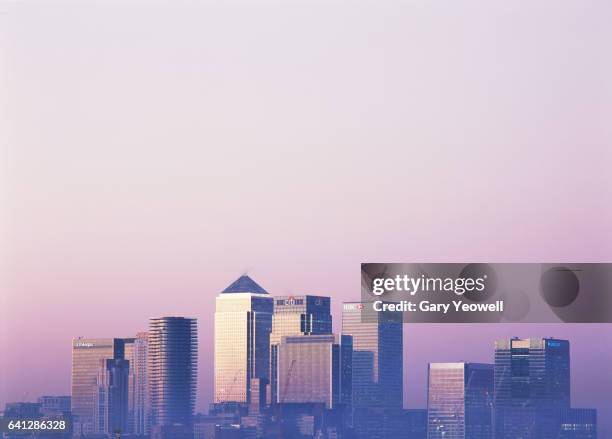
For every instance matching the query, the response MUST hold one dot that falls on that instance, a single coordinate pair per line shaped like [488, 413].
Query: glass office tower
[532, 383]
[532, 372]
[136, 353]
[111, 397]
[460, 401]
[172, 370]
[243, 322]
[315, 369]
[86, 356]
[377, 356]
[296, 315]
[139, 405]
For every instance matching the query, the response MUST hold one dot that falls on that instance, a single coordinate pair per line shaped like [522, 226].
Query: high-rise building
[111, 397]
[377, 356]
[532, 372]
[138, 417]
[296, 315]
[460, 401]
[172, 370]
[243, 322]
[86, 356]
[315, 369]
[531, 375]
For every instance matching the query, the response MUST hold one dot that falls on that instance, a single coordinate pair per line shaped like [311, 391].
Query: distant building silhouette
[54, 405]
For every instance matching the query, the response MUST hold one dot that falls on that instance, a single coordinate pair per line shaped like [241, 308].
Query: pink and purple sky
[153, 152]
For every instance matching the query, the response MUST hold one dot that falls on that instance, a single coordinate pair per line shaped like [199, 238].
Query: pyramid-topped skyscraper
[243, 322]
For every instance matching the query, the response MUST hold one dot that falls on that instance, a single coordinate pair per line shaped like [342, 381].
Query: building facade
[315, 369]
[532, 372]
[377, 356]
[111, 397]
[138, 406]
[532, 380]
[172, 370]
[54, 405]
[296, 315]
[460, 401]
[86, 356]
[243, 322]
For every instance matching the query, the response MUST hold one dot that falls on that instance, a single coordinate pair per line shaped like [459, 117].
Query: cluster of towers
[135, 386]
[280, 371]
[284, 347]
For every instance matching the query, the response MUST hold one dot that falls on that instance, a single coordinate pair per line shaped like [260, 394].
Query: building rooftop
[244, 284]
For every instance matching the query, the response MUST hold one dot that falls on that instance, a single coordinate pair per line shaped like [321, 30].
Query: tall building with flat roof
[111, 397]
[172, 370]
[86, 356]
[460, 401]
[532, 372]
[377, 356]
[315, 369]
[531, 375]
[243, 322]
[139, 394]
[296, 315]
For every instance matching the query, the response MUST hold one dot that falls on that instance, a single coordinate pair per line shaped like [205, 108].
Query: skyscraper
[136, 353]
[377, 356]
[532, 372]
[296, 315]
[111, 397]
[86, 356]
[172, 370]
[459, 401]
[315, 369]
[243, 322]
[532, 378]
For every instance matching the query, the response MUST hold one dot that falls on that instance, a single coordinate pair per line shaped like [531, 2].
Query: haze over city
[152, 153]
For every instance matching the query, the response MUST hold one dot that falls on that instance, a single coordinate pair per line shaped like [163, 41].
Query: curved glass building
[172, 369]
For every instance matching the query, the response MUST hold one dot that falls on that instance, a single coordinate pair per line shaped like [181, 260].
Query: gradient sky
[154, 151]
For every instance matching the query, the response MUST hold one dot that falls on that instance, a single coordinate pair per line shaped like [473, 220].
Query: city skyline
[152, 153]
[122, 344]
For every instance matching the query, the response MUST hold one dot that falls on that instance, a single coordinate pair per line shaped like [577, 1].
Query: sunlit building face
[296, 315]
[315, 369]
[86, 356]
[459, 401]
[243, 322]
